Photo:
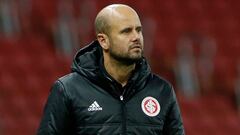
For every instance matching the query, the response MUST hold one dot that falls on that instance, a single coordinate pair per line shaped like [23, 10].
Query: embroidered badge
[150, 106]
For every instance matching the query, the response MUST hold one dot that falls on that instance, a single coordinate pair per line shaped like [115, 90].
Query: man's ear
[103, 40]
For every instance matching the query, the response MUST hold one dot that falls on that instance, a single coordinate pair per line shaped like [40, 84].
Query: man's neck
[118, 70]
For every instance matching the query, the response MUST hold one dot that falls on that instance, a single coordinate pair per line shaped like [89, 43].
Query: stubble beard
[126, 58]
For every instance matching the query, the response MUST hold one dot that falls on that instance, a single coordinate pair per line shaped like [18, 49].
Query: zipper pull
[121, 98]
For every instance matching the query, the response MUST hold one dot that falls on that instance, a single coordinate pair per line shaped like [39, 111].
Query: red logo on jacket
[150, 106]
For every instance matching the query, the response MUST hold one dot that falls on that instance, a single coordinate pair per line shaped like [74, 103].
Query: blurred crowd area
[192, 43]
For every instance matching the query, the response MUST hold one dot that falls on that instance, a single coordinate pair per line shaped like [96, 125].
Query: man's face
[125, 38]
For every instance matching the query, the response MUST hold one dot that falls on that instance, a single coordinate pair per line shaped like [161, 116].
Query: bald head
[104, 17]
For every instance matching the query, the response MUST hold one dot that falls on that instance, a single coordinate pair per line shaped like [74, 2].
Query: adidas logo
[94, 107]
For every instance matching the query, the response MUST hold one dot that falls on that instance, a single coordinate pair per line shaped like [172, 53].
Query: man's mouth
[136, 46]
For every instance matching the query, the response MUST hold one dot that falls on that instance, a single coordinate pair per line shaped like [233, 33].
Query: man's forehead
[119, 16]
[124, 16]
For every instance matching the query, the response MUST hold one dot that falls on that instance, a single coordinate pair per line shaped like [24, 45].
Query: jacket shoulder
[71, 78]
[162, 85]
[161, 80]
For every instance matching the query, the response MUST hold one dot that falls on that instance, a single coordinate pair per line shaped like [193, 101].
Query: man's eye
[139, 29]
[126, 30]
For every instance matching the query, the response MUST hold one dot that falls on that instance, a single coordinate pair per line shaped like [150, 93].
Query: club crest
[150, 106]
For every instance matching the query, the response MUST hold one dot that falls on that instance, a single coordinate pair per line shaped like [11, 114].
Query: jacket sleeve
[56, 115]
[173, 124]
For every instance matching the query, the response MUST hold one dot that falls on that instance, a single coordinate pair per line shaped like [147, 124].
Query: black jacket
[89, 101]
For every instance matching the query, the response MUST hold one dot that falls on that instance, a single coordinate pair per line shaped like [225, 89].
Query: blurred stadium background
[192, 43]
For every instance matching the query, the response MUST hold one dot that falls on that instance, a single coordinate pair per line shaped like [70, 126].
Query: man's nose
[135, 35]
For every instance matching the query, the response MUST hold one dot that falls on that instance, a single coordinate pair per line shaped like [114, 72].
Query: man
[111, 90]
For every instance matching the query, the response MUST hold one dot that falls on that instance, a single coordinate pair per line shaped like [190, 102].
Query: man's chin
[130, 59]
[135, 58]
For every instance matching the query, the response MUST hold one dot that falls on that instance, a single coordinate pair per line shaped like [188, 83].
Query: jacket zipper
[124, 128]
